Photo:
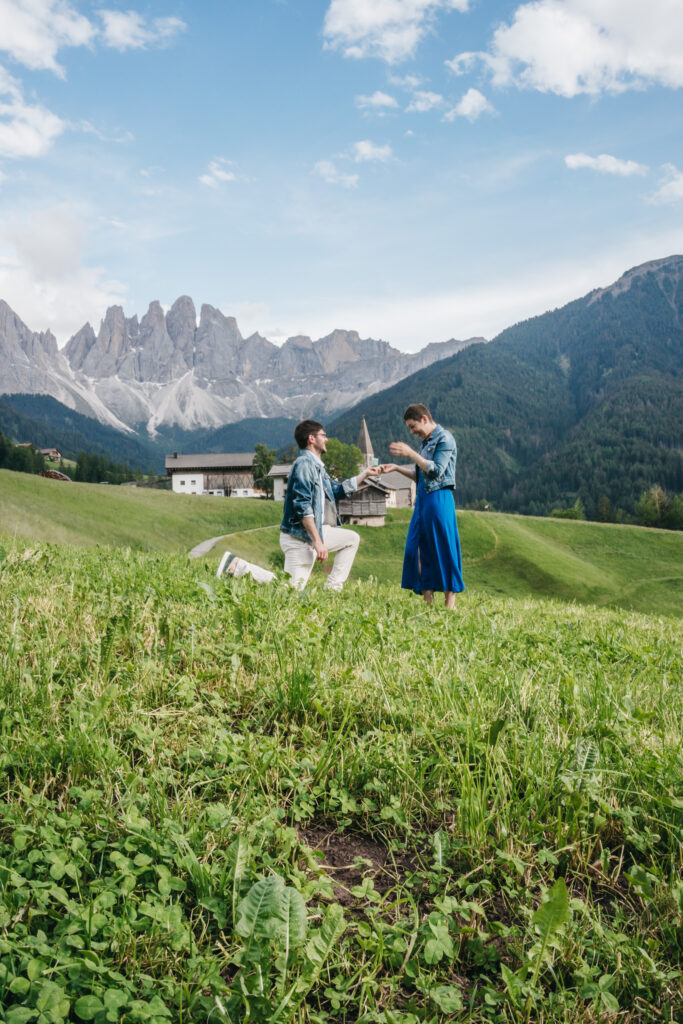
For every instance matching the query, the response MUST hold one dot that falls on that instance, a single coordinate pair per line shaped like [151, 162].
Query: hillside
[504, 555]
[47, 423]
[586, 400]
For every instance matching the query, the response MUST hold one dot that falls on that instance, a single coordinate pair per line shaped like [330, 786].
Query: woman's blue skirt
[432, 558]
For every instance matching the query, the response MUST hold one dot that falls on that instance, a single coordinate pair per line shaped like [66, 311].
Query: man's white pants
[300, 556]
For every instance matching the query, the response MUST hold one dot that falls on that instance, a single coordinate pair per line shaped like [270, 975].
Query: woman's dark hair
[416, 412]
[303, 430]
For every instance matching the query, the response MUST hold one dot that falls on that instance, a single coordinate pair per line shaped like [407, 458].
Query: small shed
[227, 474]
[279, 474]
[365, 507]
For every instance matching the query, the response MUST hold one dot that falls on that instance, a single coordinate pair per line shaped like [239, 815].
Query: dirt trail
[206, 545]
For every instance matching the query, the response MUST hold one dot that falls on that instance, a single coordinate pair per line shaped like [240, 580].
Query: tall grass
[232, 802]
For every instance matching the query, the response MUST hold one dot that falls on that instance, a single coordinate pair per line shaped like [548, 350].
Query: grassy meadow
[505, 555]
[224, 802]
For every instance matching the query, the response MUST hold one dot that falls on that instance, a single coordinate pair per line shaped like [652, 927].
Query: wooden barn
[365, 507]
[227, 474]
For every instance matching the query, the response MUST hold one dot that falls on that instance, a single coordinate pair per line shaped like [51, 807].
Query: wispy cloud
[670, 188]
[605, 164]
[217, 173]
[128, 30]
[472, 105]
[329, 172]
[44, 274]
[410, 82]
[423, 101]
[367, 150]
[379, 101]
[91, 129]
[388, 29]
[26, 130]
[570, 47]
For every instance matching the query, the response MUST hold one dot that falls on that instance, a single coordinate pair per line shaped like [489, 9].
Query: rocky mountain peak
[169, 368]
[668, 272]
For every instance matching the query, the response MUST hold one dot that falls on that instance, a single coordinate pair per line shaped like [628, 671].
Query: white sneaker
[225, 564]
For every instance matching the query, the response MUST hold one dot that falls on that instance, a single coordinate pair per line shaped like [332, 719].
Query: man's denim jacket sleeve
[440, 452]
[303, 497]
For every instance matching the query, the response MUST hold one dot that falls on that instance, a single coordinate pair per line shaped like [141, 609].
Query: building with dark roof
[228, 474]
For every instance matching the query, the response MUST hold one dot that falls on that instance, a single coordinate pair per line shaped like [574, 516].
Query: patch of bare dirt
[348, 859]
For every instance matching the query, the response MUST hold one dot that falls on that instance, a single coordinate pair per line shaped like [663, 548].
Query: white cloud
[423, 101]
[367, 150]
[128, 30]
[217, 174]
[25, 130]
[406, 81]
[43, 276]
[34, 30]
[605, 164]
[91, 129]
[569, 47]
[49, 243]
[330, 173]
[388, 29]
[378, 101]
[671, 187]
[472, 105]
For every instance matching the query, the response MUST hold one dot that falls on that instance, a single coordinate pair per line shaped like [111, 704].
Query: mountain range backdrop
[583, 402]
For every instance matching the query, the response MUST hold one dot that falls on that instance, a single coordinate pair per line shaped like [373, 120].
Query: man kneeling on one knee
[311, 527]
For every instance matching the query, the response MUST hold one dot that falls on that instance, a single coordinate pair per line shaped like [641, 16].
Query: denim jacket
[304, 497]
[440, 451]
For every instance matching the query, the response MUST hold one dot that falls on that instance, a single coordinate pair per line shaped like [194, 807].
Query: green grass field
[622, 566]
[227, 803]
[594, 563]
[33, 508]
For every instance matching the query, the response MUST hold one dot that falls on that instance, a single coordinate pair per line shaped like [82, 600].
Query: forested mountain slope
[583, 401]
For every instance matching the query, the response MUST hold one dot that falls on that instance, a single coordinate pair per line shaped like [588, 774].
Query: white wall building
[226, 474]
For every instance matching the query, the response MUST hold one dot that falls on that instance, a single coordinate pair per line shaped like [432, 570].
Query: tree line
[90, 467]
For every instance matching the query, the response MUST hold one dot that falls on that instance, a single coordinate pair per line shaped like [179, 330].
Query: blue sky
[414, 170]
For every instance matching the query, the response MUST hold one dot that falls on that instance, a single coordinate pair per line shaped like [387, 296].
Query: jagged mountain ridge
[170, 369]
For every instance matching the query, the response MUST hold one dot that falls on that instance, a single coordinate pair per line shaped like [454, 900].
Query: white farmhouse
[227, 474]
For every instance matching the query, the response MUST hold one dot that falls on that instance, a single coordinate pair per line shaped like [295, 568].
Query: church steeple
[365, 445]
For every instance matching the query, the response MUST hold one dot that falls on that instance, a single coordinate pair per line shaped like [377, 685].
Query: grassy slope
[594, 563]
[168, 740]
[34, 508]
[507, 555]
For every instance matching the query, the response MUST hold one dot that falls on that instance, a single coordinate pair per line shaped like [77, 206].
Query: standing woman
[432, 559]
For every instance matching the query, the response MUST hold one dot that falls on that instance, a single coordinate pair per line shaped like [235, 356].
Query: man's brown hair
[303, 430]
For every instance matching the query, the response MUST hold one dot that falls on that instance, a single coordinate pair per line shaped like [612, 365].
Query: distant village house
[51, 454]
[228, 474]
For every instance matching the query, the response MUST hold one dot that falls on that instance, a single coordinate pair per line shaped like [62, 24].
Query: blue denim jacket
[440, 451]
[304, 498]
